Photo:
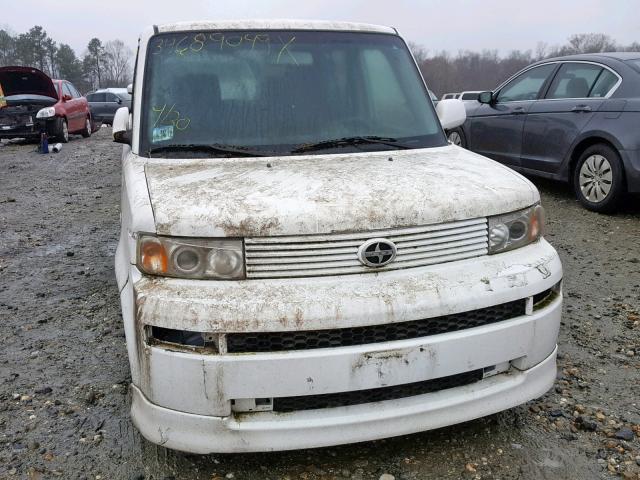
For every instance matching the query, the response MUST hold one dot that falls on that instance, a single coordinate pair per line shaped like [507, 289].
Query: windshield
[275, 91]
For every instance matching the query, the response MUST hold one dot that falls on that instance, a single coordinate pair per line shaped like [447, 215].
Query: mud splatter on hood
[329, 193]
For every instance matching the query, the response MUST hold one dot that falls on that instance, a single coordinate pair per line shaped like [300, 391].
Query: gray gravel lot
[64, 370]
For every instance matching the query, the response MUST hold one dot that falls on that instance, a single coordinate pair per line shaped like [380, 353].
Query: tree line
[105, 64]
[109, 64]
[485, 70]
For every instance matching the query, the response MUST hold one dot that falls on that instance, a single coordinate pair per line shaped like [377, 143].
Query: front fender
[136, 212]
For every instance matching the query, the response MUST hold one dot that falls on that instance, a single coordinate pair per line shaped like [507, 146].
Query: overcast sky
[436, 24]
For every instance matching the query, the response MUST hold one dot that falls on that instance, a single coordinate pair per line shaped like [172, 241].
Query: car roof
[622, 56]
[111, 89]
[274, 25]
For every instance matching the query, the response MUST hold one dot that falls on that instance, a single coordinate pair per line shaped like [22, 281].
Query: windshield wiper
[216, 148]
[351, 141]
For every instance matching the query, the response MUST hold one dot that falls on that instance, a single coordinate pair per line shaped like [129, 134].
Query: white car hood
[329, 193]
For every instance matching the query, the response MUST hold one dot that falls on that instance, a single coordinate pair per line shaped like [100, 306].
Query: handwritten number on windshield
[285, 48]
[179, 50]
[199, 42]
[171, 117]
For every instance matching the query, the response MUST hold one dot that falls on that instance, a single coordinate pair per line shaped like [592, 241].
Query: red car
[32, 103]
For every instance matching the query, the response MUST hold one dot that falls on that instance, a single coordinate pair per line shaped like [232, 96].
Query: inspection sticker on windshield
[160, 134]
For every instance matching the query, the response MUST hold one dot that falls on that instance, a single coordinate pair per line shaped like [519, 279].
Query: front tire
[598, 179]
[86, 133]
[63, 131]
[456, 137]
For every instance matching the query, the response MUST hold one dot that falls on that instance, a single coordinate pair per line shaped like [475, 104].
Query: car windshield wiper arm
[350, 141]
[213, 148]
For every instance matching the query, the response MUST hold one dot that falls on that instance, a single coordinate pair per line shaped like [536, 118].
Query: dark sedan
[570, 118]
[104, 103]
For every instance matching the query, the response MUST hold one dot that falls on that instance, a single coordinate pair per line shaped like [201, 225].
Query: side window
[66, 90]
[96, 97]
[74, 91]
[111, 98]
[605, 82]
[527, 85]
[574, 80]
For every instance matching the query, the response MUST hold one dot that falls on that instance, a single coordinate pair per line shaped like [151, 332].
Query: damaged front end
[23, 117]
[27, 99]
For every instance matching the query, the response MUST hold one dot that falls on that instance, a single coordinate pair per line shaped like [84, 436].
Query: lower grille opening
[343, 399]
[344, 337]
[543, 298]
[182, 339]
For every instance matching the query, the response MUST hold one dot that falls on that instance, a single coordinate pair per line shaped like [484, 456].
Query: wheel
[87, 128]
[598, 179]
[456, 137]
[63, 131]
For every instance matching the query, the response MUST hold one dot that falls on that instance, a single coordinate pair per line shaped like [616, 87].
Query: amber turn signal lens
[153, 257]
[536, 226]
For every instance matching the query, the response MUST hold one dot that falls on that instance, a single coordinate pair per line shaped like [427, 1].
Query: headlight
[46, 112]
[517, 229]
[191, 258]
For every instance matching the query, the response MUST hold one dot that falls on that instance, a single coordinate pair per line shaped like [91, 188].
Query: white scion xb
[304, 260]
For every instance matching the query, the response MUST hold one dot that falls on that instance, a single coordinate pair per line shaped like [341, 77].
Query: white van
[304, 260]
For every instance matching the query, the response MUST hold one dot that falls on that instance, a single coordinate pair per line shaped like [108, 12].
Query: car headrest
[577, 88]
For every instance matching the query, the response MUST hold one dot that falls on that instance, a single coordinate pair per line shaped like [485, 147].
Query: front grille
[358, 397]
[344, 337]
[336, 254]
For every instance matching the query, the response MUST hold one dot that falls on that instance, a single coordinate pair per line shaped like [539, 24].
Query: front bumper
[317, 428]
[184, 399]
[31, 130]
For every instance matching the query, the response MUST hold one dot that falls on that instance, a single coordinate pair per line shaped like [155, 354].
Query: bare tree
[117, 62]
[419, 52]
[7, 48]
[485, 70]
[542, 49]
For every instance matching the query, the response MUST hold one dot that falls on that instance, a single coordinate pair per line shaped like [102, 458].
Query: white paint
[451, 113]
[183, 399]
[333, 370]
[267, 431]
[315, 303]
[309, 194]
[275, 24]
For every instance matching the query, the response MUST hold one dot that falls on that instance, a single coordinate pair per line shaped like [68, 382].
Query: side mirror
[451, 113]
[130, 89]
[66, 98]
[486, 97]
[121, 129]
[119, 100]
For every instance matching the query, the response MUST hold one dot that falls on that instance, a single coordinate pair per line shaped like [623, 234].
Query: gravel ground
[64, 369]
